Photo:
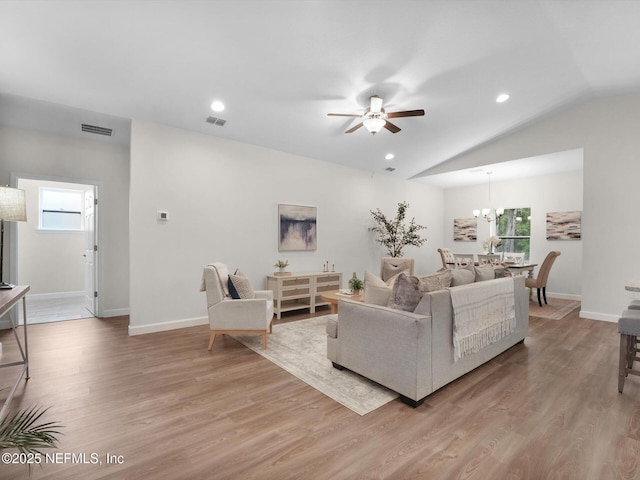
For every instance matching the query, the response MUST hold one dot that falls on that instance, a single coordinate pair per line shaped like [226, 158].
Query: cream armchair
[235, 316]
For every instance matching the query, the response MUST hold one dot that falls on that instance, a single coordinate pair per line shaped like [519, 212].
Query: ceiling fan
[374, 117]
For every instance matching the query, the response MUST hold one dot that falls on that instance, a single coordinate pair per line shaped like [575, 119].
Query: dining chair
[448, 260]
[513, 257]
[493, 259]
[540, 282]
[463, 259]
[629, 330]
[391, 266]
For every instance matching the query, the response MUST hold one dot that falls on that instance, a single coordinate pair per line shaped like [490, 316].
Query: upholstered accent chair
[448, 260]
[235, 316]
[391, 266]
[540, 282]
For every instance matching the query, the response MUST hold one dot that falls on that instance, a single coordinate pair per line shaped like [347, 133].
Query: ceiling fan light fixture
[374, 124]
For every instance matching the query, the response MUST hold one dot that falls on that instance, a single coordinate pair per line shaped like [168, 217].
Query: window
[514, 228]
[60, 209]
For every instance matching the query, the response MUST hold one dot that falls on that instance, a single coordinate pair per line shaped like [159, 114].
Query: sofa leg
[411, 402]
[212, 337]
[335, 365]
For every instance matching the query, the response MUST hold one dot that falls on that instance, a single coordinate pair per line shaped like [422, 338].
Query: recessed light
[503, 97]
[217, 106]
[389, 156]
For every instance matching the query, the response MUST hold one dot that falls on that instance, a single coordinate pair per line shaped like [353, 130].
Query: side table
[333, 297]
[9, 298]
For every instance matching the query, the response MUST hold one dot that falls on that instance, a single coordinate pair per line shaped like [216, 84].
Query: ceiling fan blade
[391, 127]
[354, 128]
[375, 104]
[408, 113]
[344, 114]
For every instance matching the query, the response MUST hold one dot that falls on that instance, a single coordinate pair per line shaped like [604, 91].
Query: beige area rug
[300, 348]
[555, 310]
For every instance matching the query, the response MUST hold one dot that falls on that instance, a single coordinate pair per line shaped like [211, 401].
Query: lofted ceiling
[281, 65]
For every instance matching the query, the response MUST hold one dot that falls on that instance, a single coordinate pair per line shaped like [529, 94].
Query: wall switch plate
[163, 215]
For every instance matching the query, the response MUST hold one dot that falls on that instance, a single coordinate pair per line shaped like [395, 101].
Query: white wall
[549, 193]
[36, 154]
[48, 261]
[607, 129]
[222, 197]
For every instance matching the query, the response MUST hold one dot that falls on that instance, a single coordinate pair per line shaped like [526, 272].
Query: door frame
[13, 234]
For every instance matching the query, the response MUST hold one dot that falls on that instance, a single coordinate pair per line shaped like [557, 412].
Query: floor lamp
[13, 208]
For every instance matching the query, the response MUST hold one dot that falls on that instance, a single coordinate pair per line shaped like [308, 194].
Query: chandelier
[486, 213]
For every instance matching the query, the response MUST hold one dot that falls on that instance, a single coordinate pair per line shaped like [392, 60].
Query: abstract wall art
[297, 228]
[465, 229]
[564, 225]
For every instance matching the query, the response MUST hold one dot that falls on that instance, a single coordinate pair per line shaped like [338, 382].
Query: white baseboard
[603, 317]
[45, 296]
[562, 296]
[115, 312]
[163, 327]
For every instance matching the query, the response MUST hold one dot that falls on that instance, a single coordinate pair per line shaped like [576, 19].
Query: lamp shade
[13, 206]
[374, 124]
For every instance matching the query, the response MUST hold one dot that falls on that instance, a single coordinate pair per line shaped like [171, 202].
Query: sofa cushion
[462, 276]
[436, 281]
[376, 290]
[484, 272]
[240, 287]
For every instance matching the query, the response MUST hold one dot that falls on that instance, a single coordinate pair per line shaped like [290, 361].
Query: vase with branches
[396, 233]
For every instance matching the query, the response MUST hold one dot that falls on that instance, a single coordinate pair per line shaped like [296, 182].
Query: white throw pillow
[376, 290]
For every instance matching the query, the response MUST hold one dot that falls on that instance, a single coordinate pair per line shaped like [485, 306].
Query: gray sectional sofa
[412, 353]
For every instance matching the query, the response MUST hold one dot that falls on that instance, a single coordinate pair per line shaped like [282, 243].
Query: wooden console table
[9, 298]
[301, 290]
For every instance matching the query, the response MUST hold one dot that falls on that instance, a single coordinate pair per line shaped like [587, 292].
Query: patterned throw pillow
[407, 293]
[240, 286]
[436, 281]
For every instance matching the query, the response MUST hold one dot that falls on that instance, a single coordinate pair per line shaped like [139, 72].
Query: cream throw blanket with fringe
[483, 313]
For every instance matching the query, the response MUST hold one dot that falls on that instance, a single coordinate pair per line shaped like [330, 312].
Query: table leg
[334, 308]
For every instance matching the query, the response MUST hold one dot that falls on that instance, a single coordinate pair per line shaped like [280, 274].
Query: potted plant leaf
[356, 285]
[395, 234]
[281, 265]
[22, 432]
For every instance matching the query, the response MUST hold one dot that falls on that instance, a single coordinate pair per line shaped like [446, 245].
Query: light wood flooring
[548, 409]
[51, 308]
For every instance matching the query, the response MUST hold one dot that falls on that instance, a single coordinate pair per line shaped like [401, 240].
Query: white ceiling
[556, 162]
[281, 66]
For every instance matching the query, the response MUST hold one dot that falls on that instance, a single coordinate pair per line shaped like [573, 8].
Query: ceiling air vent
[97, 130]
[390, 169]
[216, 121]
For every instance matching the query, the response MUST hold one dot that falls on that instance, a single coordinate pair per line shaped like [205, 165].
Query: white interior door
[90, 251]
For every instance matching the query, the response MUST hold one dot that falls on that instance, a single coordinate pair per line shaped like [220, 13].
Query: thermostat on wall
[162, 215]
